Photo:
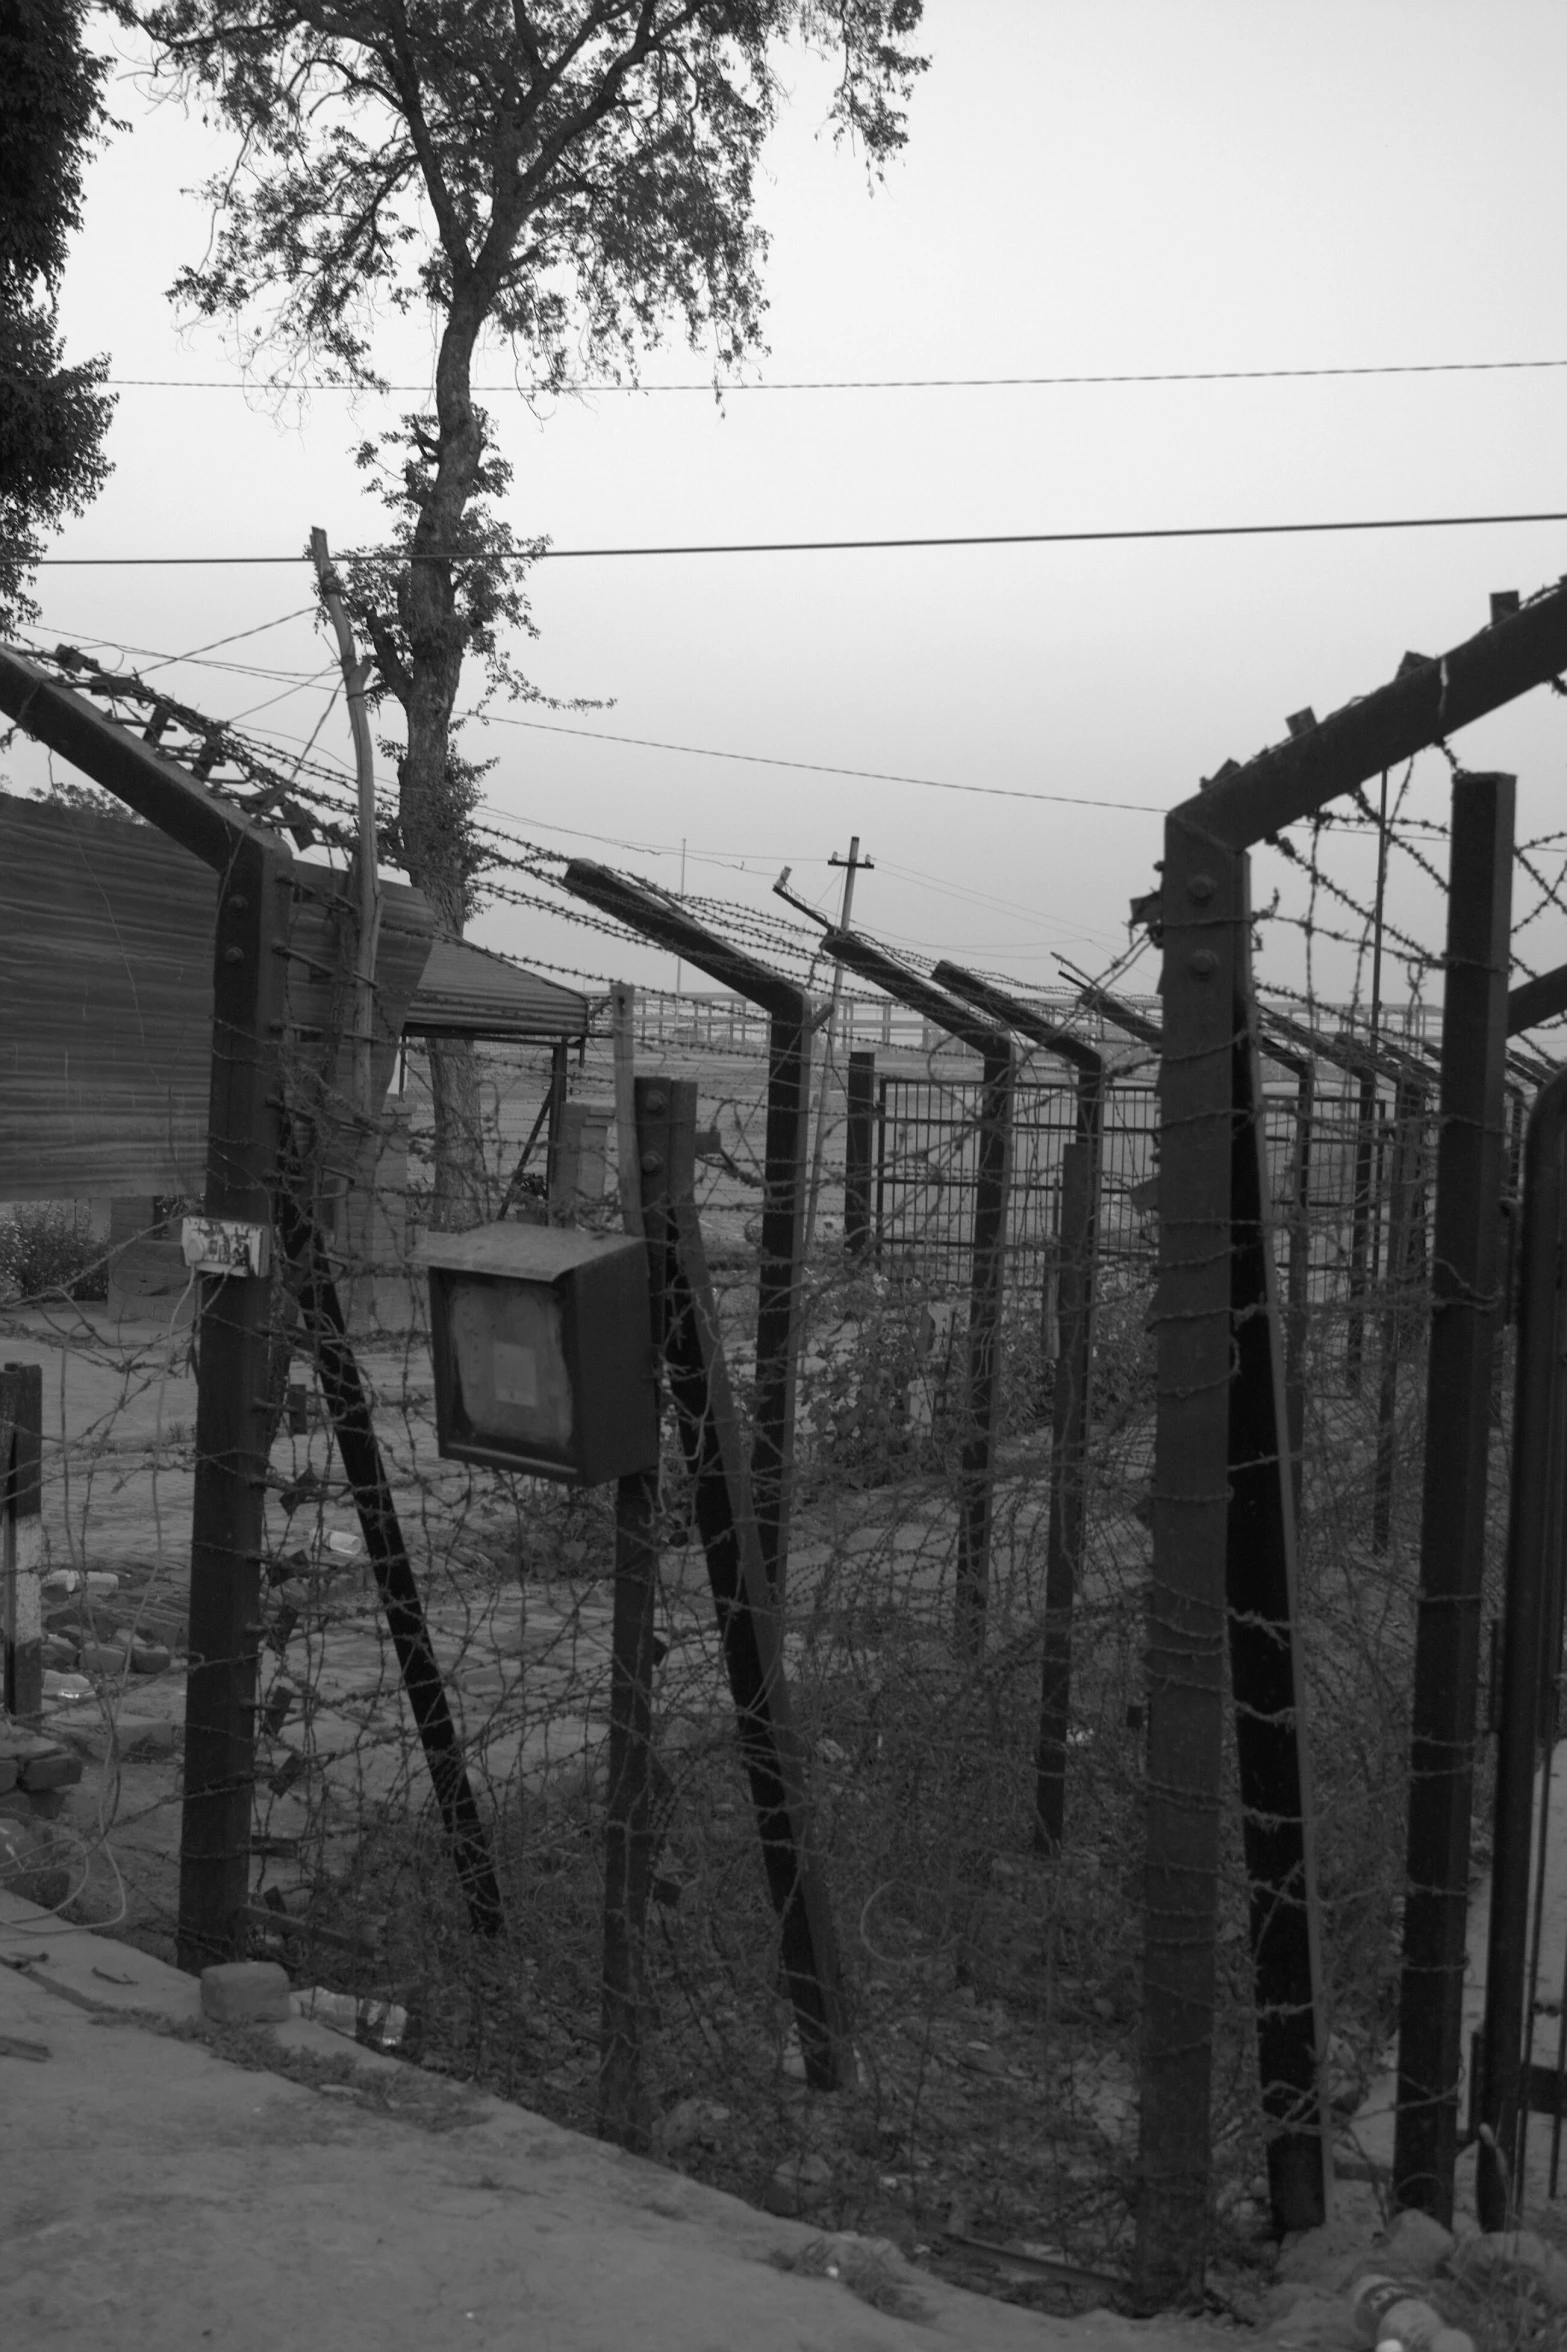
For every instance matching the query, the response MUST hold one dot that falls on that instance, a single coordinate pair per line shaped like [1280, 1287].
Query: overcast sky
[1090, 186]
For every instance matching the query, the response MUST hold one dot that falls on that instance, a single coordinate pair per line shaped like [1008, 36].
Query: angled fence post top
[1534, 1001]
[669, 926]
[1010, 1012]
[919, 994]
[146, 779]
[1146, 1030]
[1428, 700]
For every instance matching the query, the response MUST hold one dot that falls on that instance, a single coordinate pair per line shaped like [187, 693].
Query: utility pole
[356, 673]
[853, 864]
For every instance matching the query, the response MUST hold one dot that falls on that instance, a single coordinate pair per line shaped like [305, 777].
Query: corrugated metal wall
[106, 1000]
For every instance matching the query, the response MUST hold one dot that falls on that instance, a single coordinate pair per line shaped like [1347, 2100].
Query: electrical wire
[758, 759]
[711, 386]
[1141, 532]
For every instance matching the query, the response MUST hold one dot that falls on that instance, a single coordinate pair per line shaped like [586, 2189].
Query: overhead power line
[759, 759]
[1141, 532]
[1277, 375]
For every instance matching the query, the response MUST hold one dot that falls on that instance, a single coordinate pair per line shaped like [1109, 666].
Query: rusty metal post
[987, 1259]
[233, 1411]
[987, 1274]
[1223, 1569]
[21, 1548]
[780, 1285]
[748, 1617]
[1069, 1441]
[1297, 1326]
[624, 2101]
[1471, 1161]
[1408, 1120]
[1537, 1413]
[1267, 1678]
[1203, 903]
[780, 1273]
[1360, 1227]
[857, 1154]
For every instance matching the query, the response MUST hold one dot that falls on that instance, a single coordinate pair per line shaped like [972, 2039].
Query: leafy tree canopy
[52, 417]
[571, 177]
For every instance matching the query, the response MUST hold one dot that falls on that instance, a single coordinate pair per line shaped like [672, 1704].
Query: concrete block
[99, 1657]
[150, 1658]
[8, 1769]
[55, 1771]
[245, 1992]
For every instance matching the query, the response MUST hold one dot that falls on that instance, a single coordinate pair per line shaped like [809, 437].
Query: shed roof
[469, 991]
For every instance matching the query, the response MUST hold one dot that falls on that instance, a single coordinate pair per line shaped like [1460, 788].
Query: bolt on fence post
[21, 1545]
[1471, 1162]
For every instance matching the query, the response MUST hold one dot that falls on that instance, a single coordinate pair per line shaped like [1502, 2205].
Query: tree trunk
[432, 798]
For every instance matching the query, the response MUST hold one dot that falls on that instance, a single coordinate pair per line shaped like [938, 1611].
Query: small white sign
[223, 1245]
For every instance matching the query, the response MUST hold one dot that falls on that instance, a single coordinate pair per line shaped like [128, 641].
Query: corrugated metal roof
[468, 991]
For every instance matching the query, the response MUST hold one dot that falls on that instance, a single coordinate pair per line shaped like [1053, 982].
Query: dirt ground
[170, 2190]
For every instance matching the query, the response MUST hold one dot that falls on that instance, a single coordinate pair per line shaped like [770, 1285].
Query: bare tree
[572, 177]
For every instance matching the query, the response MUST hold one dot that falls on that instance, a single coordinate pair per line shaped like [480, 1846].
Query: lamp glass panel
[509, 1358]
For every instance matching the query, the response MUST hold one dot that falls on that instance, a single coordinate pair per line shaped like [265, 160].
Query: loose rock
[245, 1992]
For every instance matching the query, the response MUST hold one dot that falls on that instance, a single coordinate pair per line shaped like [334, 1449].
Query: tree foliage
[53, 418]
[569, 178]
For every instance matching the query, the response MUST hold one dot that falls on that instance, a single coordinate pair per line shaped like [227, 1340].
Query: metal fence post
[1536, 1482]
[857, 1153]
[987, 1269]
[233, 1412]
[1203, 909]
[21, 1548]
[1471, 1162]
[1064, 1540]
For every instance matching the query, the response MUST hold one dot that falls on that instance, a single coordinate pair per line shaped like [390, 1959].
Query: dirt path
[158, 2195]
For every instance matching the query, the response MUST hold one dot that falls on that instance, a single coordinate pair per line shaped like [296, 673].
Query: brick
[245, 1992]
[7, 1774]
[150, 1658]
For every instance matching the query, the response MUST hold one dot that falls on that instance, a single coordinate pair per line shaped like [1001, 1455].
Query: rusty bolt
[1200, 887]
[1203, 964]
